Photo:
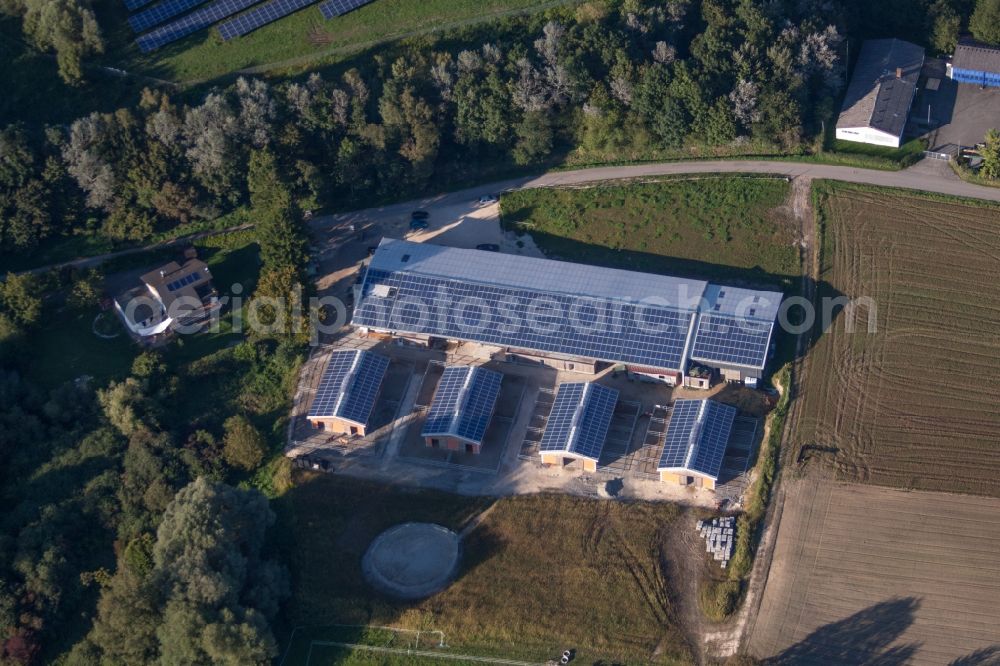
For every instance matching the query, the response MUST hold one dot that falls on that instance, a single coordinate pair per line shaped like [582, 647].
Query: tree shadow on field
[989, 656]
[863, 639]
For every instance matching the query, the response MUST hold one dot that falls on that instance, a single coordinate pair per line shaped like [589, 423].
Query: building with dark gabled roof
[695, 444]
[578, 424]
[462, 409]
[348, 391]
[883, 85]
[976, 63]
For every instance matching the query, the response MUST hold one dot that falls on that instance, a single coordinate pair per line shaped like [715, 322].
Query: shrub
[243, 446]
[718, 598]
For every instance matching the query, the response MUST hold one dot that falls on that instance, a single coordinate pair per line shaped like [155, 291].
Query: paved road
[929, 175]
[454, 207]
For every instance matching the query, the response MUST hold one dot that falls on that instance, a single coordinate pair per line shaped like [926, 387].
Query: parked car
[420, 215]
[488, 247]
[487, 199]
[418, 224]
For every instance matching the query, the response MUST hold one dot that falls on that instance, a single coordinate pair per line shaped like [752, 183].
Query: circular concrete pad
[412, 560]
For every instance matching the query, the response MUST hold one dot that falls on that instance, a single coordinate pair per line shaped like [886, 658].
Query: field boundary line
[418, 653]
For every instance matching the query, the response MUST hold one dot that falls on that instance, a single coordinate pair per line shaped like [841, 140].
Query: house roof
[579, 421]
[349, 386]
[173, 281]
[542, 305]
[463, 404]
[882, 86]
[697, 436]
[976, 56]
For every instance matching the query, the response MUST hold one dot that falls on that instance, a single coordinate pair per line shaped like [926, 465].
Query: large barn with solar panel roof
[347, 392]
[568, 316]
[462, 409]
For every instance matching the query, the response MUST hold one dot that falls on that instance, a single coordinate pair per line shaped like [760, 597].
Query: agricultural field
[539, 573]
[913, 404]
[725, 227]
[866, 575]
[305, 38]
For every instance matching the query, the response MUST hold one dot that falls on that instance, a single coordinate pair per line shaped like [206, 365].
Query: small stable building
[695, 444]
[347, 392]
[578, 424]
[975, 63]
[877, 104]
[462, 409]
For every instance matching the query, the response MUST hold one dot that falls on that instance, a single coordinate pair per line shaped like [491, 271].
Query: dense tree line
[631, 78]
[66, 27]
[89, 478]
[622, 79]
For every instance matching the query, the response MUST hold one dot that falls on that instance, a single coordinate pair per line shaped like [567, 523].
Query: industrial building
[462, 409]
[696, 440]
[568, 316]
[347, 392]
[975, 63]
[881, 92]
[578, 424]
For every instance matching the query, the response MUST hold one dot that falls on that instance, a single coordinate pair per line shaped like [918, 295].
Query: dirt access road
[864, 575]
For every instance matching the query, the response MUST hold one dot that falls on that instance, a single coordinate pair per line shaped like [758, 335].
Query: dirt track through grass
[865, 575]
[917, 403]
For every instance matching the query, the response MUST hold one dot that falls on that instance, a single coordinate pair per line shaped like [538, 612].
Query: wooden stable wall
[452, 444]
[336, 426]
[682, 479]
[560, 459]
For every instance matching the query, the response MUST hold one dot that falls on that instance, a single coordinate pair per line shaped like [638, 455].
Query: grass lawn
[66, 348]
[540, 573]
[726, 228]
[302, 39]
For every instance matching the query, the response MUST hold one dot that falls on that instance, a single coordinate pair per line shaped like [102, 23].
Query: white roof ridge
[581, 408]
[347, 381]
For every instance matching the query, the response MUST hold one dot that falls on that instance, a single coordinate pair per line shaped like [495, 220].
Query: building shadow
[864, 639]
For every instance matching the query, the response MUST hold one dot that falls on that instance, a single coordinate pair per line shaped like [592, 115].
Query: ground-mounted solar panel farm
[192, 41]
[912, 405]
[170, 20]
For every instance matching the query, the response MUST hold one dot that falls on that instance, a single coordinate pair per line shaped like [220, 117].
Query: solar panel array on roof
[332, 8]
[727, 340]
[184, 281]
[259, 17]
[463, 404]
[562, 308]
[697, 435]
[647, 335]
[160, 12]
[579, 421]
[349, 386]
[193, 22]
[133, 5]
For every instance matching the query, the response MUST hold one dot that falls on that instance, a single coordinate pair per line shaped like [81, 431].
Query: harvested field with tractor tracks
[916, 403]
[866, 575]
